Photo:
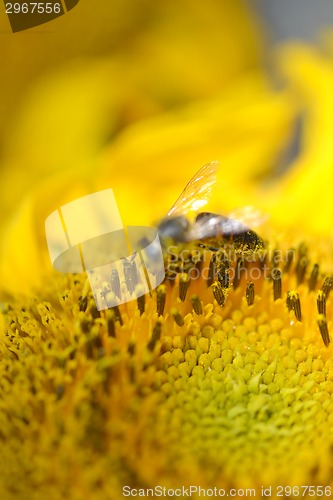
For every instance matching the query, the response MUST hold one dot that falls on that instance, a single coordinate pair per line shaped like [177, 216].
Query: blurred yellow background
[137, 96]
[73, 84]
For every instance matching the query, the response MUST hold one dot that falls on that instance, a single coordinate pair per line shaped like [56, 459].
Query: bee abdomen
[248, 239]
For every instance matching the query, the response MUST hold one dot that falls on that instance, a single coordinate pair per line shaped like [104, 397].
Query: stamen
[223, 274]
[301, 267]
[238, 272]
[322, 323]
[289, 258]
[314, 277]
[275, 258]
[156, 335]
[177, 317]
[219, 293]
[250, 293]
[321, 303]
[184, 283]
[131, 349]
[94, 311]
[85, 325]
[196, 304]
[171, 274]
[212, 270]
[277, 283]
[196, 259]
[198, 265]
[117, 314]
[111, 323]
[327, 286]
[83, 303]
[160, 299]
[83, 300]
[141, 304]
[294, 303]
[303, 250]
[171, 269]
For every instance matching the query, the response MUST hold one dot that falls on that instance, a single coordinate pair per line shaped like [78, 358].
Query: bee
[234, 228]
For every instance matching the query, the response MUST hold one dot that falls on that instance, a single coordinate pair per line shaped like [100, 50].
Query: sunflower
[222, 378]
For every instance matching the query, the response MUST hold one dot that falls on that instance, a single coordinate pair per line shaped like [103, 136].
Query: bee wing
[249, 216]
[214, 225]
[197, 191]
[210, 225]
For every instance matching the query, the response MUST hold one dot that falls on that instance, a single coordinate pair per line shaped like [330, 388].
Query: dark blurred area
[294, 19]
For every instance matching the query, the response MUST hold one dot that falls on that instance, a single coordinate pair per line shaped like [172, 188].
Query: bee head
[174, 228]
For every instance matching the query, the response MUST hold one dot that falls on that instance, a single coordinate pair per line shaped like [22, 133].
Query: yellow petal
[20, 263]
[303, 196]
[245, 129]
[150, 162]
[69, 114]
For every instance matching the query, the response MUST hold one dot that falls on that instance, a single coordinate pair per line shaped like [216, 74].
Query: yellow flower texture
[211, 381]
